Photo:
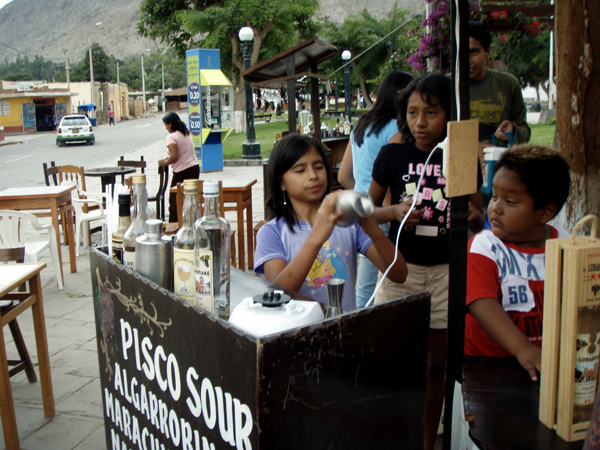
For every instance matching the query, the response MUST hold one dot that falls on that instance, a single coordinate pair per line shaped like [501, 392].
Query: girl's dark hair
[385, 108]
[176, 123]
[284, 155]
[428, 86]
[543, 170]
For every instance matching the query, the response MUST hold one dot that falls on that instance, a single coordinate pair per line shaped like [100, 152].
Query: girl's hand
[401, 209]
[327, 216]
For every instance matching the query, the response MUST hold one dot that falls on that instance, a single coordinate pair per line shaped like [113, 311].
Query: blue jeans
[366, 277]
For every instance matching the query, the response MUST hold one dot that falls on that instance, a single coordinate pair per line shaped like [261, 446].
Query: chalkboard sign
[174, 377]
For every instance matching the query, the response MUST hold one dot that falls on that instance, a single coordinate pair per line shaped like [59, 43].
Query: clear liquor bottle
[347, 126]
[138, 219]
[124, 222]
[213, 255]
[184, 265]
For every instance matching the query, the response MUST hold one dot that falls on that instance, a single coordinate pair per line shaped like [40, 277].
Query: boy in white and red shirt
[506, 265]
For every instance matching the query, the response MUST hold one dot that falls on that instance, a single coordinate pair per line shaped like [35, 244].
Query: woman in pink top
[182, 156]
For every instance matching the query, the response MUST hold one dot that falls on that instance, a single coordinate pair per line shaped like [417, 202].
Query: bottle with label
[341, 125]
[347, 127]
[337, 128]
[124, 222]
[184, 244]
[138, 219]
[213, 255]
[586, 363]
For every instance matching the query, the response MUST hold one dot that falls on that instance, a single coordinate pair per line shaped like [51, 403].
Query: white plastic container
[491, 156]
[259, 320]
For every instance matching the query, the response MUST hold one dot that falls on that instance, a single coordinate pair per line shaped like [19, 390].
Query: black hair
[283, 156]
[384, 109]
[428, 86]
[479, 31]
[543, 170]
[176, 123]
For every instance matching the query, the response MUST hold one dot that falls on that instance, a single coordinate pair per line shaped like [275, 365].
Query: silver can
[354, 206]
[154, 254]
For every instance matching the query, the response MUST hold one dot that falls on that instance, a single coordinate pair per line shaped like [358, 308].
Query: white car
[75, 128]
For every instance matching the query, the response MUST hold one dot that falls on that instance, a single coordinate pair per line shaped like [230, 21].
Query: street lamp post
[92, 65]
[250, 148]
[346, 55]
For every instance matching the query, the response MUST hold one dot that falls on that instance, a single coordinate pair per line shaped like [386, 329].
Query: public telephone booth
[210, 106]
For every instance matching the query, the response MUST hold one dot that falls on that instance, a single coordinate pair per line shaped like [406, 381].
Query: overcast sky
[4, 2]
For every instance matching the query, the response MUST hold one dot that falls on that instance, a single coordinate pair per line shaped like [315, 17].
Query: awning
[213, 77]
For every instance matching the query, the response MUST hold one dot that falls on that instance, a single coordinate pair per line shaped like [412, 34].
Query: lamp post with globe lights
[346, 55]
[250, 148]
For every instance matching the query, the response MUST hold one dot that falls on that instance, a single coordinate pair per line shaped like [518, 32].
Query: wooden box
[172, 375]
[572, 282]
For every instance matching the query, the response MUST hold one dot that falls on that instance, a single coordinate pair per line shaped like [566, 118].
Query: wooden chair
[16, 254]
[141, 164]
[170, 227]
[51, 173]
[159, 198]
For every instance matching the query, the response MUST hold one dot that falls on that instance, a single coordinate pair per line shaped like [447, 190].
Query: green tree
[277, 25]
[527, 55]
[377, 45]
[81, 71]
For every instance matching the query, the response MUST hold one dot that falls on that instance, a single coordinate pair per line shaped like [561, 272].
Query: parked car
[75, 128]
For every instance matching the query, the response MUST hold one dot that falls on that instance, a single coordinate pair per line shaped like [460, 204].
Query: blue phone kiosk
[210, 106]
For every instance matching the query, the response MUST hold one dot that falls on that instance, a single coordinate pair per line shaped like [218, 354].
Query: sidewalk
[79, 423]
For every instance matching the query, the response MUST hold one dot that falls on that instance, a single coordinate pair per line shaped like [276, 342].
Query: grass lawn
[265, 134]
[543, 134]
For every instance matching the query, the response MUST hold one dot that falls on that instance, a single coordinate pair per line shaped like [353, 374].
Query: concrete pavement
[78, 423]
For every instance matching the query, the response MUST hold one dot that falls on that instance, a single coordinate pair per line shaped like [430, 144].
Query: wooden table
[55, 198]
[503, 403]
[108, 175]
[12, 276]
[240, 193]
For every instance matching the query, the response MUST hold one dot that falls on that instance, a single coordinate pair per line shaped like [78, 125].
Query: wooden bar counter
[174, 375]
[502, 403]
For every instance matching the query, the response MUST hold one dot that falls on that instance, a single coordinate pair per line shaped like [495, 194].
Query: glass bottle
[213, 255]
[337, 128]
[124, 222]
[347, 127]
[586, 363]
[138, 219]
[184, 244]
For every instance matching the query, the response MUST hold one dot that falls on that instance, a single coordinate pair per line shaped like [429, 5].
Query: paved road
[22, 164]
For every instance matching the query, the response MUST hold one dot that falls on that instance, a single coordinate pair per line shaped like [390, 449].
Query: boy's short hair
[480, 32]
[543, 170]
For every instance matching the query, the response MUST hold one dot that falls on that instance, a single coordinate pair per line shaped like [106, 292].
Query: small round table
[109, 174]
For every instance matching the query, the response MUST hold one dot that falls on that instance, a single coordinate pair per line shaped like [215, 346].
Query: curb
[243, 162]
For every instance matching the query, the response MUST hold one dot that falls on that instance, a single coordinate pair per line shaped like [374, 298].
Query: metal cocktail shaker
[335, 293]
[354, 206]
[154, 254]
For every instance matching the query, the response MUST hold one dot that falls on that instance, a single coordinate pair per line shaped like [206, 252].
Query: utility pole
[117, 72]
[91, 70]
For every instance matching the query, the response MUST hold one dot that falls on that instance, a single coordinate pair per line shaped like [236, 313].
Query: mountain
[56, 29]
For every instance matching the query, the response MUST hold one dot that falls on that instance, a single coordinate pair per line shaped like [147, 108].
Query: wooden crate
[572, 282]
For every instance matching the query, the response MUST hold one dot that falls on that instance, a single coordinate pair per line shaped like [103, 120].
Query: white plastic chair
[12, 234]
[87, 217]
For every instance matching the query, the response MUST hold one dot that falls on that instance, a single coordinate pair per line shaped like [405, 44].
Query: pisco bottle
[138, 219]
[213, 254]
[586, 363]
[183, 246]
[347, 126]
[124, 222]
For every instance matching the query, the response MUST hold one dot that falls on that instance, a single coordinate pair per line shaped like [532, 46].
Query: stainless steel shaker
[335, 293]
[154, 254]
[354, 206]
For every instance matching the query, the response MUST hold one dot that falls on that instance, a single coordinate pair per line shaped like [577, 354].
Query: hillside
[54, 29]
